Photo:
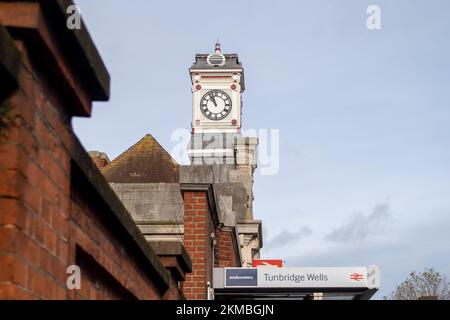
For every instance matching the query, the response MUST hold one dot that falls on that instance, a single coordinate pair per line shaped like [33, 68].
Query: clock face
[216, 105]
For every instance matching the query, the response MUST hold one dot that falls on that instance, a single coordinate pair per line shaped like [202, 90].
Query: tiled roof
[144, 162]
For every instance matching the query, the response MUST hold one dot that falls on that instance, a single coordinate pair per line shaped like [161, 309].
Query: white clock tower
[217, 86]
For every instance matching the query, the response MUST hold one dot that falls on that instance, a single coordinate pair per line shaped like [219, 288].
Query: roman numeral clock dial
[215, 105]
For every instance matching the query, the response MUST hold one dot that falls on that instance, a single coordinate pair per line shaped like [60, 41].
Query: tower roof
[231, 62]
[144, 162]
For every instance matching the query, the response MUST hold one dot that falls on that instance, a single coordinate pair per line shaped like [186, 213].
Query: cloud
[360, 227]
[287, 237]
[404, 253]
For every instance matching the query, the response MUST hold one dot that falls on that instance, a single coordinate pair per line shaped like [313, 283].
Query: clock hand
[213, 99]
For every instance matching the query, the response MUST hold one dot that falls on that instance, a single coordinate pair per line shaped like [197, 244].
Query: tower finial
[217, 49]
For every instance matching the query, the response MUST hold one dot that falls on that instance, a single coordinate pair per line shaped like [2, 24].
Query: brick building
[188, 204]
[56, 208]
[208, 205]
[141, 227]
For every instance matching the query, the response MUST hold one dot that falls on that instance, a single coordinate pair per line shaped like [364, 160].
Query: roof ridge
[124, 153]
[162, 148]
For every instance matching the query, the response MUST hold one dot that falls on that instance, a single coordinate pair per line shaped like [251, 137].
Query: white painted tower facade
[217, 87]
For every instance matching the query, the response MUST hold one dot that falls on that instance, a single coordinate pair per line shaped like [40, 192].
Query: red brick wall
[175, 291]
[225, 252]
[34, 198]
[48, 221]
[197, 240]
[109, 269]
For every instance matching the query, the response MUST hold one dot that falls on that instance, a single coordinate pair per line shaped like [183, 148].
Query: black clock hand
[213, 99]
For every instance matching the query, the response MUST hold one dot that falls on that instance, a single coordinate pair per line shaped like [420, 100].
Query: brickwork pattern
[47, 223]
[225, 253]
[197, 240]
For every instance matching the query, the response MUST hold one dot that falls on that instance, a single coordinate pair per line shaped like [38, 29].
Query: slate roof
[144, 162]
[231, 62]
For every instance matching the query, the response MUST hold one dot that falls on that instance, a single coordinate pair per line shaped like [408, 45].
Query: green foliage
[428, 283]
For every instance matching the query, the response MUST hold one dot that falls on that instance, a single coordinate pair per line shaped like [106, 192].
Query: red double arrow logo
[356, 276]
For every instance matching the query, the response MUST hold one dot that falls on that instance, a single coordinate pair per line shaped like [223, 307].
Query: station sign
[340, 277]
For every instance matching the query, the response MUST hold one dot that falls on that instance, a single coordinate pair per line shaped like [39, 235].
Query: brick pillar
[225, 251]
[197, 240]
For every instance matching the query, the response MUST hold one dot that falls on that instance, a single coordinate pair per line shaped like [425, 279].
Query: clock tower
[217, 86]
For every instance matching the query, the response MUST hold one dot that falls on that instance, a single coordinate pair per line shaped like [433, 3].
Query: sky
[363, 116]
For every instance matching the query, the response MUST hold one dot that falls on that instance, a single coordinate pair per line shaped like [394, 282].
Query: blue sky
[363, 116]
